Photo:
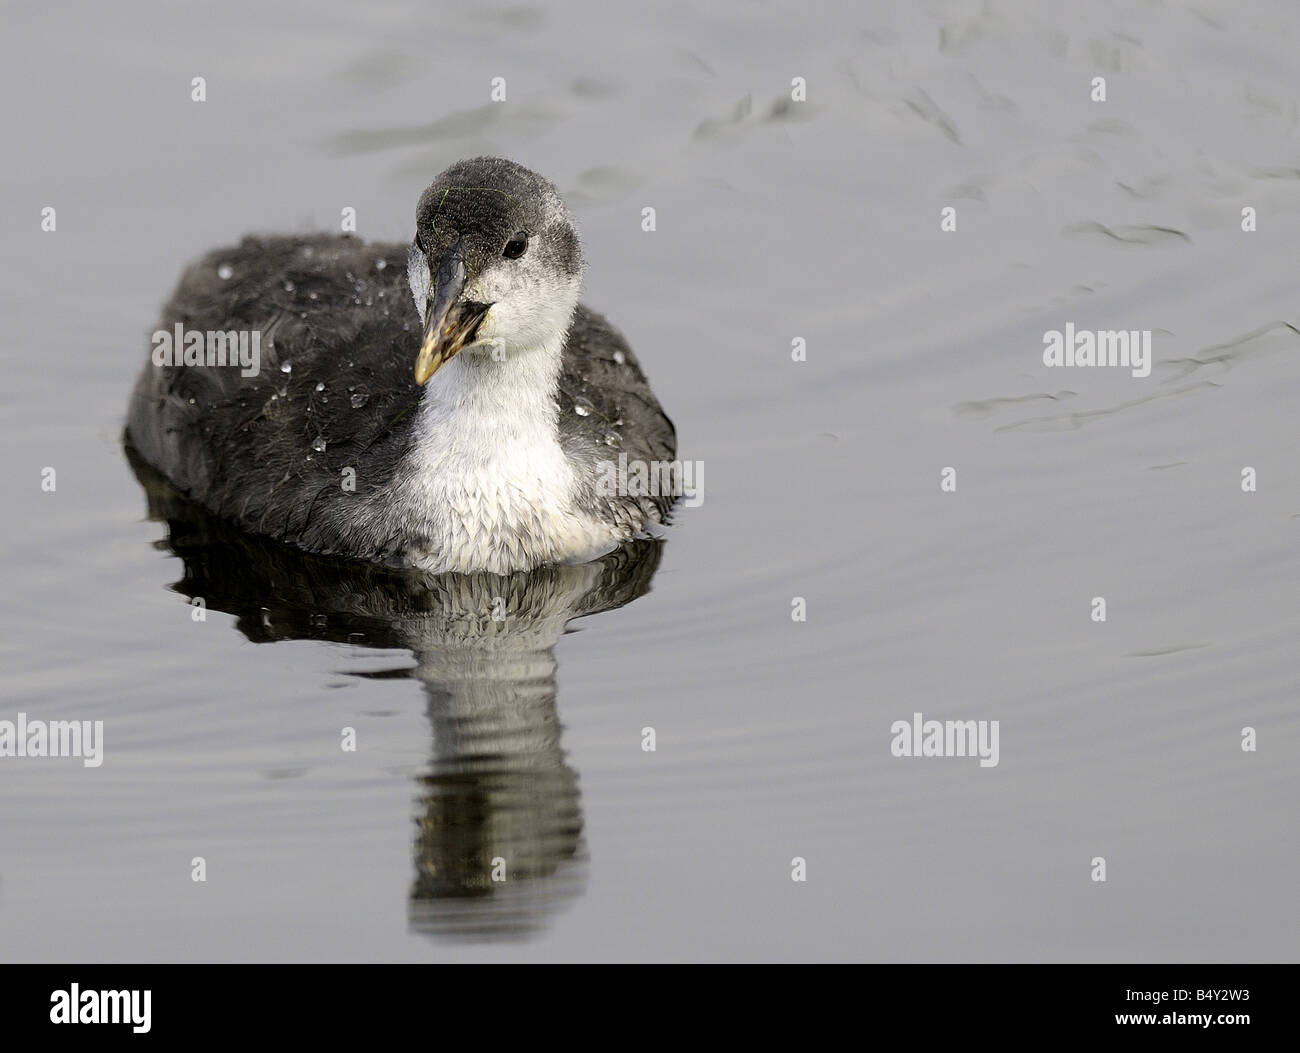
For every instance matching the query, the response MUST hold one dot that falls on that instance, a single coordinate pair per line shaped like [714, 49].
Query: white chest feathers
[487, 483]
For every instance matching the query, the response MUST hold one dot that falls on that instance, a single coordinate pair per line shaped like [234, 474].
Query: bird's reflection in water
[498, 845]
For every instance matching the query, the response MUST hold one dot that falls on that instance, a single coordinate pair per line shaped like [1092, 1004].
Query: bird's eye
[516, 246]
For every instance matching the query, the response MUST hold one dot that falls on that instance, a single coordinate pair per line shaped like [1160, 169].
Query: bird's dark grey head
[495, 264]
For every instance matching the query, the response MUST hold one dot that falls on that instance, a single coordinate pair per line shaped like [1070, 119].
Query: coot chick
[477, 430]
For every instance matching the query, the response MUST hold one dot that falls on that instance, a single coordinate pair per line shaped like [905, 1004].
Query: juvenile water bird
[471, 431]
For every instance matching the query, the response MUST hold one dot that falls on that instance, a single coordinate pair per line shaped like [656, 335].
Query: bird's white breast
[487, 480]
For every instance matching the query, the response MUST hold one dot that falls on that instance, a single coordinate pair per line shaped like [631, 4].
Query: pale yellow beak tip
[427, 363]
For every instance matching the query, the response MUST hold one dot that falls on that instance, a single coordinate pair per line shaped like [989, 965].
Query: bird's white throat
[487, 476]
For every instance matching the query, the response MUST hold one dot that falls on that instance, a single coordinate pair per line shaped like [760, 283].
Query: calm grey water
[776, 220]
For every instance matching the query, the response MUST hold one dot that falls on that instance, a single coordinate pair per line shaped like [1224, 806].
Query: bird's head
[495, 266]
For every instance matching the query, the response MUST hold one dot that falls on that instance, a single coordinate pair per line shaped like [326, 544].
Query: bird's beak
[450, 322]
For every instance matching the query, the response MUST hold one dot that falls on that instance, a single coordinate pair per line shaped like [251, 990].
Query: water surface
[775, 221]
